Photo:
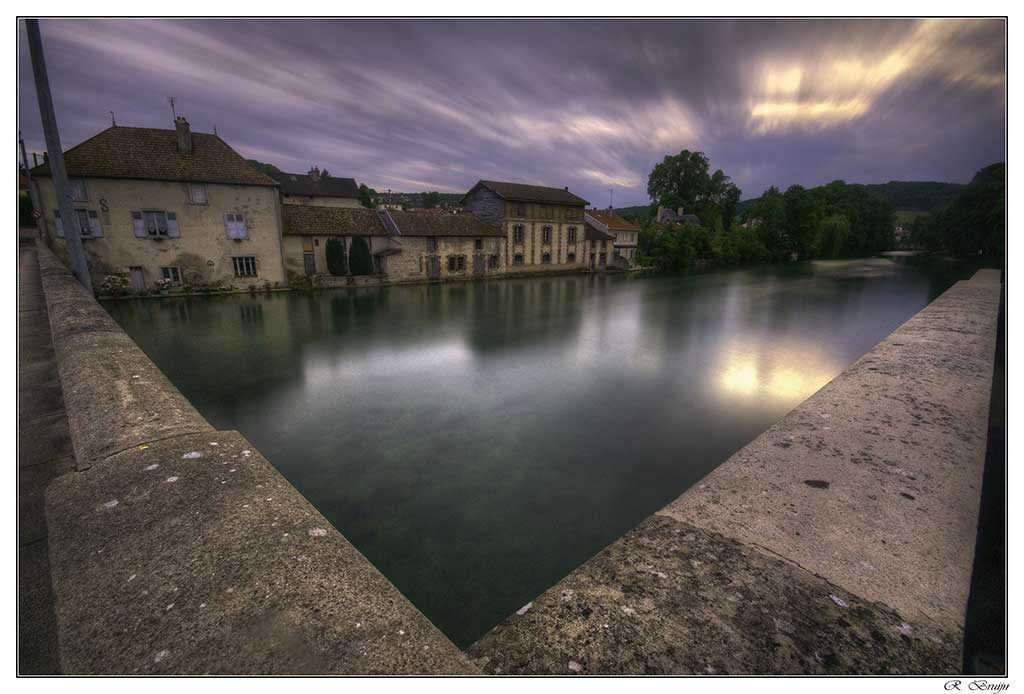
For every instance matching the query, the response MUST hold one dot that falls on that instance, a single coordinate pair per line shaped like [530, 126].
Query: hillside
[904, 196]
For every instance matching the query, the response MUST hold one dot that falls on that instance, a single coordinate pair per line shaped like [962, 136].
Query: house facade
[167, 205]
[598, 248]
[404, 246]
[626, 234]
[542, 228]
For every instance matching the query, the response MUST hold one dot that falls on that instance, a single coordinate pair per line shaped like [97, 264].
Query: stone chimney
[184, 135]
[314, 173]
[679, 211]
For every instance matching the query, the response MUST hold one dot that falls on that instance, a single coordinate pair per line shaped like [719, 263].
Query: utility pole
[36, 209]
[72, 233]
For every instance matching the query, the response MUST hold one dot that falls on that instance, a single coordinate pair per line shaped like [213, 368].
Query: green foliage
[432, 199]
[335, 252]
[682, 180]
[973, 223]
[360, 261]
[367, 196]
[683, 247]
[833, 237]
[263, 167]
[25, 218]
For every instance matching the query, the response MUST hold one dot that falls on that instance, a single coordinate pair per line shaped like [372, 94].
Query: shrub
[336, 263]
[360, 261]
[114, 285]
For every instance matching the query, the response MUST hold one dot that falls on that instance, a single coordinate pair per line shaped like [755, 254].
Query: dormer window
[197, 193]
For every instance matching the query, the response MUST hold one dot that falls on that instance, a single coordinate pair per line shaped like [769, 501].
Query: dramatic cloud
[432, 104]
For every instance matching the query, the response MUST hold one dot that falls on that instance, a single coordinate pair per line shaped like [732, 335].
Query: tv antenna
[171, 100]
[112, 121]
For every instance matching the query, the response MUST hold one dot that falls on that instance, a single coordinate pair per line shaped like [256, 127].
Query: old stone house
[626, 233]
[598, 248]
[168, 205]
[317, 188]
[405, 246]
[543, 227]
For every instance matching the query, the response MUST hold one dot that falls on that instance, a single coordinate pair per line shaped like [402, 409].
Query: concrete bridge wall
[840, 540]
[176, 548]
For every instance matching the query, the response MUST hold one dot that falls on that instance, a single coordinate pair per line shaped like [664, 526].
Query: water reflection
[477, 441]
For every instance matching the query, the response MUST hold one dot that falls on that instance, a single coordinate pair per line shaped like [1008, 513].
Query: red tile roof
[152, 154]
[613, 221]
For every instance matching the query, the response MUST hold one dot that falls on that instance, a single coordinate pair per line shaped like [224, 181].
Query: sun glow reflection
[744, 376]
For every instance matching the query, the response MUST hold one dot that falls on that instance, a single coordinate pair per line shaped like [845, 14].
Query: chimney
[314, 173]
[679, 211]
[567, 189]
[184, 135]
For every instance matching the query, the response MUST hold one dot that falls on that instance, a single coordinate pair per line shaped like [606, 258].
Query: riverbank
[839, 541]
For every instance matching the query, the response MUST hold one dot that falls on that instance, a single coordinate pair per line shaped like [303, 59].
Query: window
[518, 232]
[570, 258]
[171, 273]
[456, 263]
[197, 193]
[234, 225]
[245, 265]
[572, 235]
[76, 188]
[492, 262]
[478, 244]
[545, 258]
[431, 244]
[517, 259]
[520, 210]
[155, 224]
[603, 259]
[545, 235]
[88, 223]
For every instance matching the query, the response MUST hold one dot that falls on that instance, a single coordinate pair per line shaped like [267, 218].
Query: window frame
[173, 273]
[546, 234]
[571, 234]
[518, 234]
[244, 263]
[192, 187]
[236, 230]
[518, 259]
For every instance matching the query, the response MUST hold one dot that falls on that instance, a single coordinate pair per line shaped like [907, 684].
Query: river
[477, 441]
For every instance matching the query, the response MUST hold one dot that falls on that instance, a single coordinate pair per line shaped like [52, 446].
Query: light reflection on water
[478, 441]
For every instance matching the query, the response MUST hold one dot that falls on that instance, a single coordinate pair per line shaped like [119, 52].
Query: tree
[679, 180]
[367, 196]
[335, 252]
[432, 200]
[360, 261]
[833, 237]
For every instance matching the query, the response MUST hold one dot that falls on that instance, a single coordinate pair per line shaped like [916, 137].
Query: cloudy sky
[415, 105]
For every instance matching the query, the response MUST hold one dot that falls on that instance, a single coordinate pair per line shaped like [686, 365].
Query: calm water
[478, 441]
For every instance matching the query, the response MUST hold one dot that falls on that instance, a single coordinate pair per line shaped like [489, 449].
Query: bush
[336, 263]
[360, 261]
[114, 285]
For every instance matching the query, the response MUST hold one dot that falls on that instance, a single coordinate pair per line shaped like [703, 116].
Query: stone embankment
[839, 541]
[176, 548]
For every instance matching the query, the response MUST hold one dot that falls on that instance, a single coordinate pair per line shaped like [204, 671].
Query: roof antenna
[214, 128]
[171, 100]
[611, 198]
[112, 121]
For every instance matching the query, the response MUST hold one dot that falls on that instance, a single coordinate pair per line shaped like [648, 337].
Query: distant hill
[906, 196]
[634, 213]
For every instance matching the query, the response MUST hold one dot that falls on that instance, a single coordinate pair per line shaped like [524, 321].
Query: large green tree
[335, 252]
[683, 180]
[367, 196]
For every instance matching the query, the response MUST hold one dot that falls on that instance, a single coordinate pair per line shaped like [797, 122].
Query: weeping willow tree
[336, 263]
[360, 261]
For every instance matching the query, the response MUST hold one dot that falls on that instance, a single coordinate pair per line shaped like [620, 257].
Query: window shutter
[138, 225]
[94, 224]
[173, 232]
[58, 223]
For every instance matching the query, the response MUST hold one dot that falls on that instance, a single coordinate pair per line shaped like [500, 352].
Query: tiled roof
[442, 224]
[613, 221]
[316, 220]
[521, 192]
[592, 233]
[324, 186]
[152, 154]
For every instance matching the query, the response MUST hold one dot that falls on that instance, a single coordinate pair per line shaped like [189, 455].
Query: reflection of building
[167, 205]
[626, 233]
[316, 188]
[543, 227]
[405, 246]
